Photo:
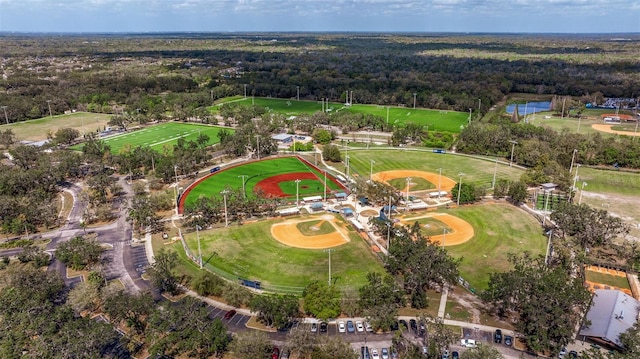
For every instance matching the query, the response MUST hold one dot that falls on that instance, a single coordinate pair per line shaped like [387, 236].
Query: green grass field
[36, 130]
[163, 135]
[607, 279]
[248, 251]
[315, 227]
[255, 172]
[432, 226]
[500, 229]
[477, 171]
[435, 120]
[609, 181]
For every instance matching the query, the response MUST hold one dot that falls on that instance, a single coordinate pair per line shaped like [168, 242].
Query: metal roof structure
[612, 313]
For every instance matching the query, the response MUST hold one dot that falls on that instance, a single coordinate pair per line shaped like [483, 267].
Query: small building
[548, 187]
[347, 212]
[357, 225]
[340, 196]
[612, 313]
[289, 211]
[312, 199]
[317, 206]
[283, 138]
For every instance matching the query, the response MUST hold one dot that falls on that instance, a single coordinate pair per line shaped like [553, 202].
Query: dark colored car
[573, 354]
[414, 325]
[508, 340]
[323, 327]
[497, 336]
[404, 324]
[230, 314]
[394, 326]
[455, 355]
[350, 327]
[275, 353]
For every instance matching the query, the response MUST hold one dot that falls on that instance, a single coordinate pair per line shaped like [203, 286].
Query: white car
[374, 354]
[368, 327]
[341, 327]
[359, 326]
[385, 353]
[468, 343]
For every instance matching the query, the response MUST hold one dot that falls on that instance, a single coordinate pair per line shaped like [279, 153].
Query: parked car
[368, 327]
[445, 354]
[275, 353]
[394, 326]
[413, 324]
[468, 343]
[497, 336]
[455, 355]
[314, 327]
[384, 352]
[341, 327]
[374, 354]
[508, 340]
[323, 327]
[350, 327]
[573, 354]
[228, 315]
[562, 353]
[359, 326]
[404, 324]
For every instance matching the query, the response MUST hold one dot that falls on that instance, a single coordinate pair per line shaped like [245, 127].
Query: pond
[530, 107]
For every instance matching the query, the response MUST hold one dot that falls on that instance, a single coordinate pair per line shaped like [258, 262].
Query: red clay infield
[271, 185]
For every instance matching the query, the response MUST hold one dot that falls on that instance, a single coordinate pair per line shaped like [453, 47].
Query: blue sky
[564, 16]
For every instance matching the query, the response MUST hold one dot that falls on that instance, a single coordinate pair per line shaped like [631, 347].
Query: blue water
[531, 107]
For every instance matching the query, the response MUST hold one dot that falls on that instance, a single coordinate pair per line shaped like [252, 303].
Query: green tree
[79, 252]
[548, 301]
[321, 300]
[467, 193]
[66, 136]
[131, 310]
[334, 347]
[482, 352]
[274, 310]
[380, 299]
[322, 136]
[206, 283]
[517, 192]
[250, 344]
[161, 271]
[331, 153]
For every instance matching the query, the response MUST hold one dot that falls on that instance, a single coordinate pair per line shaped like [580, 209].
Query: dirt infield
[446, 183]
[607, 129]
[271, 185]
[462, 230]
[288, 233]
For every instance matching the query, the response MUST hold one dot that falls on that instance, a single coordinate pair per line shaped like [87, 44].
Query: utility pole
[49, 104]
[513, 145]
[6, 118]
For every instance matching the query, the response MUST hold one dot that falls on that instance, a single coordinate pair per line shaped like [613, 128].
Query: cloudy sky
[565, 16]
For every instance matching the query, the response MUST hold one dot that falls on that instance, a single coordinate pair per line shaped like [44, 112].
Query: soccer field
[435, 120]
[166, 134]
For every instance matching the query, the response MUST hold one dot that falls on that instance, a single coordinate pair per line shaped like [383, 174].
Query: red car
[275, 354]
[230, 314]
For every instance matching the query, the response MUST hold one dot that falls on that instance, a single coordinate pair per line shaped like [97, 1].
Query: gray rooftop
[612, 312]
[281, 136]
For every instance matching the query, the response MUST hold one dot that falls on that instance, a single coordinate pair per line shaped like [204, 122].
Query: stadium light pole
[479, 105]
[199, 250]
[439, 181]
[459, 188]
[513, 146]
[495, 171]
[573, 157]
[245, 90]
[575, 178]
[635, 132]
[371, 171]
[325, 185]
[298, 93]
[329, 250]
[414, 100]
[546, 256]
[226, 213]
[244, 195]
[348, 165]
[388, 235]
[258, 142]
[444, 236]
[387, 116]
[297, 185]
[408, 179]
[584, 184]
[175, 189]
[49, 104]
[469, 115]
[6, 118]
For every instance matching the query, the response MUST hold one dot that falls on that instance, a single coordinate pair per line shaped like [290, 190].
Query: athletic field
[435, 120]
[36, 130]
[275, 176]
[162, 136]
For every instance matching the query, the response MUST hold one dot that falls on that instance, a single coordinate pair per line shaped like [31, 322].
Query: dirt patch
[607, 128]
[446, 183]
[462, 231]
[288, 233]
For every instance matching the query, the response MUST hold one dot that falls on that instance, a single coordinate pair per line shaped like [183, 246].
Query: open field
[607, 279]
[36, 130]
[584, 125]
[162, 136]
[435, 120]
[258, 171]
[500, 229]
[477, 171]
[249, 251]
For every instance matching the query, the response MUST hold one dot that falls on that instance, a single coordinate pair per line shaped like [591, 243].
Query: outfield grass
[315, 227]
[36, 130]
[609, 181]
[163, 136]
[255, 172]
[435, 120]
[477, 171]
[607, 279]
[249, 251]
[500, 229]
[431, 226]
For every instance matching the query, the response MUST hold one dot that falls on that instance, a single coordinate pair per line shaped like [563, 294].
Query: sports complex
[285, 253]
